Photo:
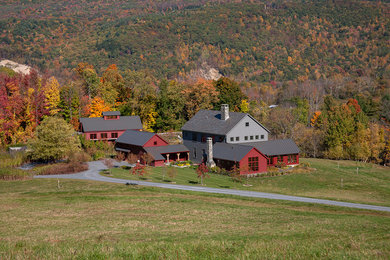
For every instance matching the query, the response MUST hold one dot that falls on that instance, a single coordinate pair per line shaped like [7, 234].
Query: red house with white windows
[108, 127]
[140, 143]
[226, 139]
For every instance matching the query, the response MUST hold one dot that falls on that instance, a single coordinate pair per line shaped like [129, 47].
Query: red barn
[140, 143]
[108, 127]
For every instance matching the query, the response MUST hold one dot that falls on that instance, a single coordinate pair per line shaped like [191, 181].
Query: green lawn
[336, 180]
[92, 220]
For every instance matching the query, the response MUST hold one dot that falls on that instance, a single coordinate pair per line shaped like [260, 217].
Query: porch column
[188, 156]
[167, 157]
[178, 156]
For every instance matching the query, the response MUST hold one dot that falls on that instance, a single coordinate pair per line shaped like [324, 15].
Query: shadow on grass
[225, 187]
[193, 182]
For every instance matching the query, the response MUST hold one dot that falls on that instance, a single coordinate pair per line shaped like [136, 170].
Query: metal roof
[209, 121]
[157, 151]
[230, 152]
[111, 113]
[275, 147]
[138, 138]
[91, 124]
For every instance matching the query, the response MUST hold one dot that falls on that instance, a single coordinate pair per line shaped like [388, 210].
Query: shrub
[271, 169]
[11, 174]
[12, 160]
[280, 165]
[120, 157]
[62, 168]
[132, 158]
[79, 157]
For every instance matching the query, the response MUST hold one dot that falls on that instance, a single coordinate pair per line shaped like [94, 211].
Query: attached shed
[281, 150]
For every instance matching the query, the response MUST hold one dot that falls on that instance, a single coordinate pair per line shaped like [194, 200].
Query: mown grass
[336, 180]
[90, 220]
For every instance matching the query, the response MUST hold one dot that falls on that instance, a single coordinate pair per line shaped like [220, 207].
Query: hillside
[252, 41]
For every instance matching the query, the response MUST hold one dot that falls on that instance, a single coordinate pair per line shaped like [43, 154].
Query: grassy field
[336, 180]
[91, 220]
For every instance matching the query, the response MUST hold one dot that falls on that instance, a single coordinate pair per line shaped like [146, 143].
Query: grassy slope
[101, 220]
[371, 185]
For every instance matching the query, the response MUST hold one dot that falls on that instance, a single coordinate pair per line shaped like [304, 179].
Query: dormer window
[111, 115]
[246, 123]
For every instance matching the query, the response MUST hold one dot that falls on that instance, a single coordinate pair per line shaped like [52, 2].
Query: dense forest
[323, 63]
[255, 41]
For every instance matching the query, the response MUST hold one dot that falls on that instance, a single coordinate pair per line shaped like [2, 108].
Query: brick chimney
[210, 161]
[224, 111]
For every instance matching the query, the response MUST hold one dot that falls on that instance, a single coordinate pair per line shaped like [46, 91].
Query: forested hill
[253, 41]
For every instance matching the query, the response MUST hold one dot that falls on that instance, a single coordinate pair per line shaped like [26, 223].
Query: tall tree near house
[34, 102]
[170, 106]
[301, 112]
[97, 107]
[229, 93]
[52, 95]
[111, 83]
[280, 122]
[244, 106]
[385, 155]
[11, 107]
[112, 75]
[69, 103]
[55, 139]
[376, 141]
[199, 95]
[89, 79]
[142, 93]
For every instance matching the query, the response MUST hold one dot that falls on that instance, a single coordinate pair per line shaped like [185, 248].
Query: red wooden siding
[155, 141]
[87, 135]
[262, 162]
[285, 159]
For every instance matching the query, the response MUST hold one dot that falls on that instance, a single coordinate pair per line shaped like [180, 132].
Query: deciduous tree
[55, 139]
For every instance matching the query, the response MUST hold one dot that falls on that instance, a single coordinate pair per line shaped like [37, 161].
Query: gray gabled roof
[91, 124]
[111, 113]
[138, 138]
[209, 121]
[230, 152]
[275, 147]
[157, 151]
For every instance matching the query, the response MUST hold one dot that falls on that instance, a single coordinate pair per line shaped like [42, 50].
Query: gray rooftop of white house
[91, 124]
[157, 151]
[111, 113]
[230, 152]
[209, 121]
[132, 137]
[275, 147]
